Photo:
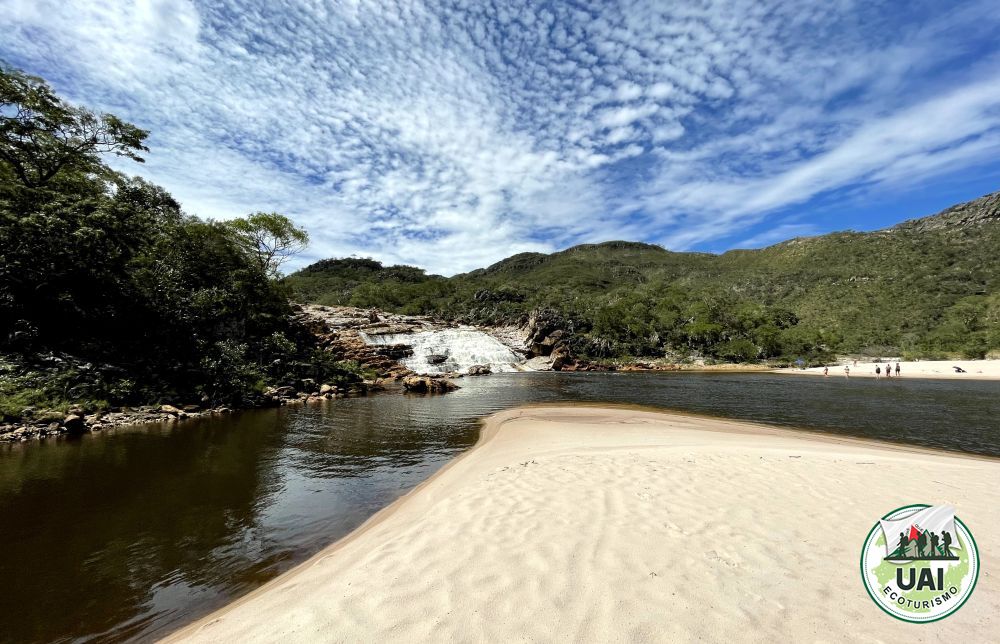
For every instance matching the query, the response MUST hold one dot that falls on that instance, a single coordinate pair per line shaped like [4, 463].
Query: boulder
[73, 423]
[436, 358]
[561, 358]
[428, 385]
[326, 389]
[480, 370]
[170, 409]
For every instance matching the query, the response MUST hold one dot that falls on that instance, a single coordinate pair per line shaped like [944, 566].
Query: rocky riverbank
[338, 330]
[379, 344]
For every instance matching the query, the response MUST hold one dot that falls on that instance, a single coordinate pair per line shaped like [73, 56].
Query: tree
[270, 238]
[40, 134]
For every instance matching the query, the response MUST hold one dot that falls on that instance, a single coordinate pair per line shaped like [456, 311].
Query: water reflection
[128, 535]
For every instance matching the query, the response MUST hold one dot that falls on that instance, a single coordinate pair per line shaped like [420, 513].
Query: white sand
[611, 524]
[974, 369]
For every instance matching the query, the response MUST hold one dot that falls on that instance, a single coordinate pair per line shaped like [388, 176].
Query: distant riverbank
[971, 369]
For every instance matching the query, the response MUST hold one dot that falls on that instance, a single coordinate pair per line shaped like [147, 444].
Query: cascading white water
[461, 347]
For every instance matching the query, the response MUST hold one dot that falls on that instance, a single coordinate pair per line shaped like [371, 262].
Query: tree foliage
[270, 238]
[107, 276]
[41, 135]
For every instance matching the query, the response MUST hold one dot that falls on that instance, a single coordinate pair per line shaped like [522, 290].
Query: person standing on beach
[897, 368]
[826, 370]
[847, 370]
[878, 372]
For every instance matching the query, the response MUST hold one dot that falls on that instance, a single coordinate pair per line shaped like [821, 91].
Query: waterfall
[451, 350]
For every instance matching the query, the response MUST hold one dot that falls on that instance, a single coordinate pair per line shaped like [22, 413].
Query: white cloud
[452, 136]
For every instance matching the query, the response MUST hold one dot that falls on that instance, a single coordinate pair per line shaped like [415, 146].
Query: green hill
[926, 287]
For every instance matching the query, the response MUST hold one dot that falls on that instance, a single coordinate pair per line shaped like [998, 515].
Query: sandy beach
[604, 524]
[974, 369]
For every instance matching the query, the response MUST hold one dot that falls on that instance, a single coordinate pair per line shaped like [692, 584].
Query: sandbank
[595, 524]
[974, 369]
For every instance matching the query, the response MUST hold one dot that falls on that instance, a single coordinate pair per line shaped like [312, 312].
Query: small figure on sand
[897, 368]
[888, 370]
[847, 370]
[958, 369]
[878, 372]
[826, 370]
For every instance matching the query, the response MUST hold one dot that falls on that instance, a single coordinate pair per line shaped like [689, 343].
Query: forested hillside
[928, 287]
[110, 294]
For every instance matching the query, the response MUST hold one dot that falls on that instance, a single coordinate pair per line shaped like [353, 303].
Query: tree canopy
[269, 237]
[106, 280]
[41, 135]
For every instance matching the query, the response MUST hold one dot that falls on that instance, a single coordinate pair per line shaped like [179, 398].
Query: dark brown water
[129, 535]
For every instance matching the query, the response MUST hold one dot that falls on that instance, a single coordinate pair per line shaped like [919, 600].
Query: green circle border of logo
[864, 578]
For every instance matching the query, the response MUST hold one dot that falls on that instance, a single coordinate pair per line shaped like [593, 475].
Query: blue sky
[449, 135]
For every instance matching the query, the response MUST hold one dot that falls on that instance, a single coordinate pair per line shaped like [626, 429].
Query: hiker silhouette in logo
[921, 543]
[904, 543]
[946, 547]
[934, 545]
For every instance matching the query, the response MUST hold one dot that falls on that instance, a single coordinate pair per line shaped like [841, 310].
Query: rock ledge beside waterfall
[397, 346]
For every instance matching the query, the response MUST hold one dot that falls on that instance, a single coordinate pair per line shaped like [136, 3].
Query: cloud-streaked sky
[451, 134]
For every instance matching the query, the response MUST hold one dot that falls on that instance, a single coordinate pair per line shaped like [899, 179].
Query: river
[129, 534]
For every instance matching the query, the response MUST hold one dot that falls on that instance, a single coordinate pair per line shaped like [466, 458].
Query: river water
[128, 535]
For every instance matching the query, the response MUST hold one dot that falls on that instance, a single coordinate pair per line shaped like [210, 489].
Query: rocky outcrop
[428, 385]
[980, 211]
[547, 334]
[339, 330]
[479, 370]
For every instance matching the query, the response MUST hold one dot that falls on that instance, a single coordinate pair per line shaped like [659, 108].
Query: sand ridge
[598, 524]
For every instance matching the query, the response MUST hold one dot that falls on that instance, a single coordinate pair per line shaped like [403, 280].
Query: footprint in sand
[712, 555]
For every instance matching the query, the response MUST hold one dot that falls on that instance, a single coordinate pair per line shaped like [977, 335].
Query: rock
[280, 392]
[170, 409]
[192, 408]
[538, 363]
[428, 385]
[73, 424]
[561, 357]
[436, 358]
[480, 370]
[326, 389]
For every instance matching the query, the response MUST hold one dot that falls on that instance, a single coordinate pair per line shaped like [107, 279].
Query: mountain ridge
[925, 287]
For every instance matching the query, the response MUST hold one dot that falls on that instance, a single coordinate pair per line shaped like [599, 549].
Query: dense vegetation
[922, 289]
[110, 294]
